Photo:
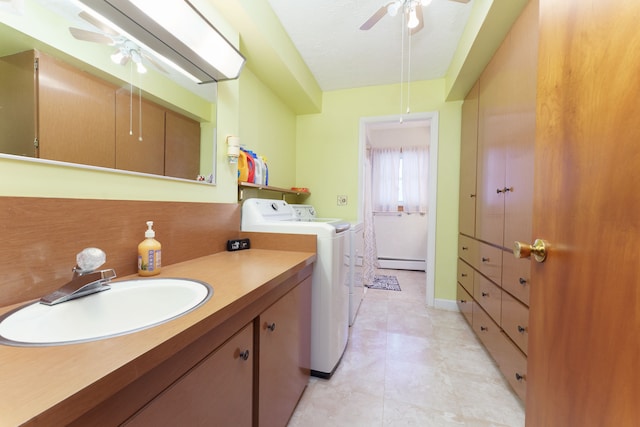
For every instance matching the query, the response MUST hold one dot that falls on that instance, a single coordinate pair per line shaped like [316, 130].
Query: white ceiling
[341, 56]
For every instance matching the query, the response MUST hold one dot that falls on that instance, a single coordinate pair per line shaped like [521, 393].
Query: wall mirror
[80, 106]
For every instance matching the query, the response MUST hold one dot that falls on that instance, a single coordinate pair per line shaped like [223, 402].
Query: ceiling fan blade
[153, 62]
[380, 13]
[90, 36]
[98, 24]
[420, 20]
[461, 1]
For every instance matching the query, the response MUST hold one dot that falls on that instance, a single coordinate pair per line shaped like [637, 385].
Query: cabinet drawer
[516, 273]
[488, 295]
[465, 303]
[465, 275]
[486, 329]
[513, 365]
[468, 249]
[515, 321]
[489, 262]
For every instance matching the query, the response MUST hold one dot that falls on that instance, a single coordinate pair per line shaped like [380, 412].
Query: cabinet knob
[485, 259]
[463, 301]
[538, 250]
[472, 195]
[521, 377]
[463, 274]
[484, 328]
[485, 294]
[465, 248]
[499, 190]
[522, 329]
[271, 326]
[244, 355]
[522, 281]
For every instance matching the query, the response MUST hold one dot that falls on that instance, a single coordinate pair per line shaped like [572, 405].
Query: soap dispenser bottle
[149, 253]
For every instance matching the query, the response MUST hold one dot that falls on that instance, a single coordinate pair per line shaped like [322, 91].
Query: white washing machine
[355, 273]
[353, 256]
[329, 290]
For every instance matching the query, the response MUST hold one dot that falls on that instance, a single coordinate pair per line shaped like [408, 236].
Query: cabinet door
[76, 115]
[284, 355]
[216, 392]
[494, 115]
[139, 134]
[468, 155]
[182, 146]
[18, 91]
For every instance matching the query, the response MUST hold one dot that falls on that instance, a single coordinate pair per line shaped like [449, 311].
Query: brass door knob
[538, 250]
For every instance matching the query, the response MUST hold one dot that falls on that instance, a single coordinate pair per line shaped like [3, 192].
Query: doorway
[407, 123]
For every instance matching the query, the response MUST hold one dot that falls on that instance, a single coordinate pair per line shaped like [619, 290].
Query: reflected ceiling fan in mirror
[126, 49]
[411, 8]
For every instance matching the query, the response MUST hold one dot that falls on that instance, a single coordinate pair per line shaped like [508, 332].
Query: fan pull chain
[402, 29]
[409, 77]
[139, 109]
[131, 98]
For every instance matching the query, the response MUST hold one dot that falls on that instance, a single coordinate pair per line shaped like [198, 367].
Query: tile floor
[408, 365]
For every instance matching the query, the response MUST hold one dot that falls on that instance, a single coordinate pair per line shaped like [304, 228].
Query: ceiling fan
[411, 8]
[126, 50]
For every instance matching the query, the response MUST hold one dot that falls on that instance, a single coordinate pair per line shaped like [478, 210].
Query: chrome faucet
[85, 281]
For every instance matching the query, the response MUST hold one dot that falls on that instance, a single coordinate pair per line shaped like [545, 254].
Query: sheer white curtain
[385, 179]
[415, 179]
[370, 256]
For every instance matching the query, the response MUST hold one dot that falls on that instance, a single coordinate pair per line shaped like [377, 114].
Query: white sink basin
[129, 306]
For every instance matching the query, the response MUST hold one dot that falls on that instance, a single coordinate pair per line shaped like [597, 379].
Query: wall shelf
[242, 186]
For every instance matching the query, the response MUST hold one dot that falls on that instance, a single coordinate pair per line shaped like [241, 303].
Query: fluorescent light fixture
[175, 30]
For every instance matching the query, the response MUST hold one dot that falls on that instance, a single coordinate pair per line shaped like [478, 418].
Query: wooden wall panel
[41, 237]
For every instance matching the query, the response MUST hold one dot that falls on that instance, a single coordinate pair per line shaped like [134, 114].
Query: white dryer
[329, 289]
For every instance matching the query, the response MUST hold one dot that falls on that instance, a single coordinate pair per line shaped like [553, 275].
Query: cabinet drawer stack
[496, 199]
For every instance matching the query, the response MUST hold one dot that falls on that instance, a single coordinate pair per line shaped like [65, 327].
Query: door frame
[431, 117]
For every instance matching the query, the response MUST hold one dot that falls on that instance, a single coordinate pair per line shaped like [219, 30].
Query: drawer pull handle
[465, 248]
[485, 259]
[522, 329]
[499, 190]
[464, 274]
[244, 355]
[521, 377]
[485, 294]
[522, 281]
[463, 301]
[472, 195]
[271, 326]
[484, 328]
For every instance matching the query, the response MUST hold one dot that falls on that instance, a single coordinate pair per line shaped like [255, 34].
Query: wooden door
[284, 356]
[468, 155]
[139, 134]
[76, 119]
[216, 392]
[182, 146]
[584, 348]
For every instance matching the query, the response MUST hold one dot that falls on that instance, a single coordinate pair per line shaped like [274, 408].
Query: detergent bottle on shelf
[258, 169]
[251, 176]
[266, 171]
[243, 166]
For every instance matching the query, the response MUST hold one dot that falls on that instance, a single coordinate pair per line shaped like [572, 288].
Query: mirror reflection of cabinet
[79, 118]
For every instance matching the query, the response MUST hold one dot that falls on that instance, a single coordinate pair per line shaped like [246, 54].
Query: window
[400, 179]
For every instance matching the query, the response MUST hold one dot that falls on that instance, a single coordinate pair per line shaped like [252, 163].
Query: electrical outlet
[342, 200]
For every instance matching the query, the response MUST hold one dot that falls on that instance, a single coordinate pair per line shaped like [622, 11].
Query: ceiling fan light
[118, 57]
[413, 19]
[393, 8]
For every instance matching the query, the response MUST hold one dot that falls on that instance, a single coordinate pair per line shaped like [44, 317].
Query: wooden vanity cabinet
[216, 392]
[283, 356]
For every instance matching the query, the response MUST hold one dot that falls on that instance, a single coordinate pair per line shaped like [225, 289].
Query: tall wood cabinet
[496, 198]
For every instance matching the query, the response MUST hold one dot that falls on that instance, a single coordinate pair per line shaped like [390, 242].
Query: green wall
[328, 152]
[268, 127]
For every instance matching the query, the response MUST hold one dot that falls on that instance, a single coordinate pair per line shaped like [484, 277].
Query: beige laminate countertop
[53, 385]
